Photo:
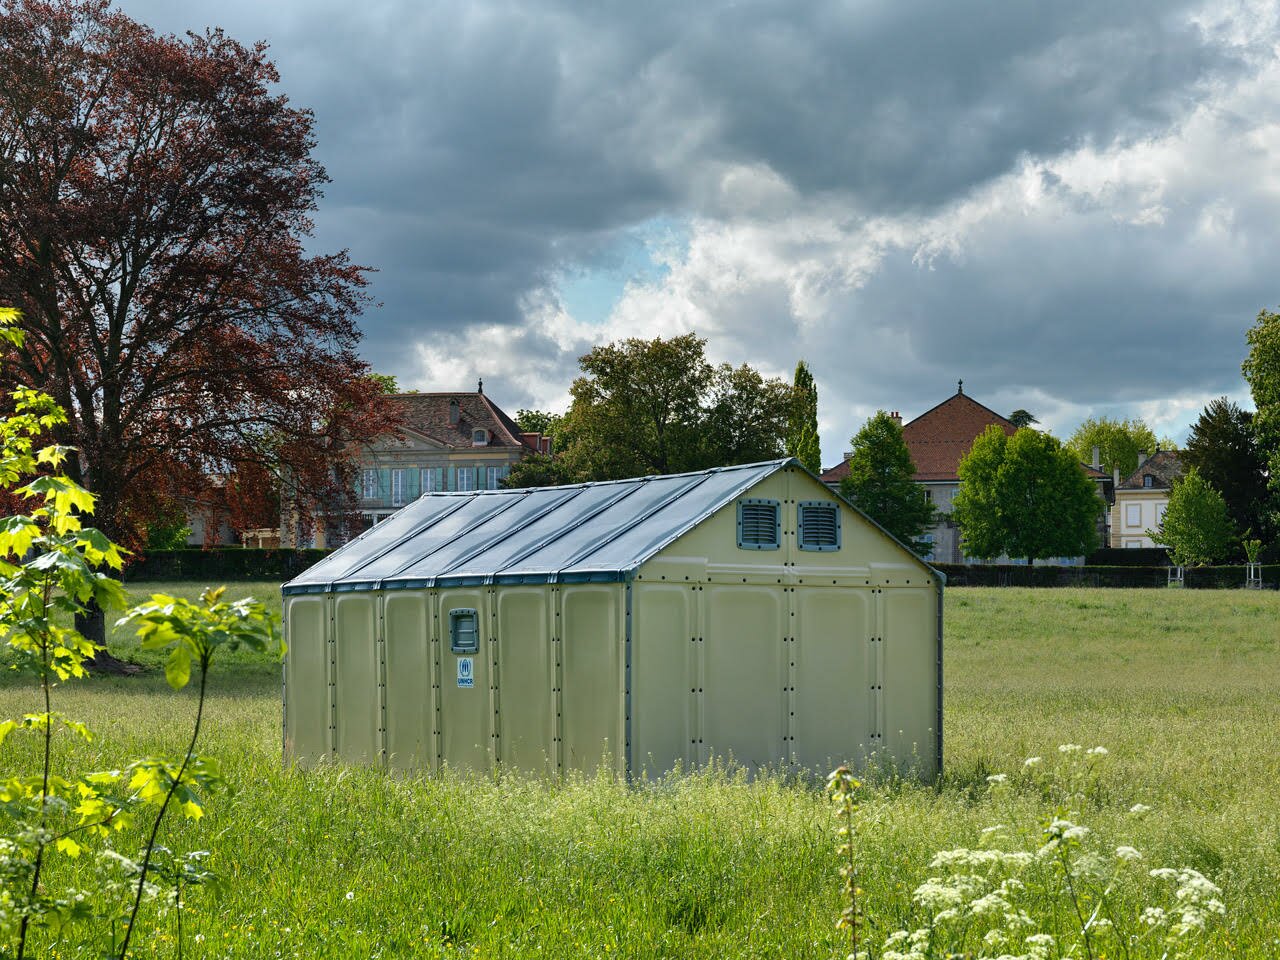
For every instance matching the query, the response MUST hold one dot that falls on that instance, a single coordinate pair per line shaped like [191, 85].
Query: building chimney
[1115, 476]
[848, 454]
[454, 414]
[1142, 457]
[896, 417]
[1097, 457]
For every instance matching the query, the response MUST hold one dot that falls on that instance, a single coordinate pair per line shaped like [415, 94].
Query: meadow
[1180, 686]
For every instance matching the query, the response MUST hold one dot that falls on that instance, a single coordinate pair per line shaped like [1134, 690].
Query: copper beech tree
[156, 195]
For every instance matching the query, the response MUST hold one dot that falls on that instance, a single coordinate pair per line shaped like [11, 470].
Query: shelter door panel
[308, 704]
[409, 693]
[592, 627]
[833, 702]
[357, 687]
[744, 674]
[526, 680]
[466, 681]
[663, 675]
[910, 673]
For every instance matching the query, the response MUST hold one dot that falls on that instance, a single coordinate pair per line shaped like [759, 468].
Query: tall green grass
[1180, 686]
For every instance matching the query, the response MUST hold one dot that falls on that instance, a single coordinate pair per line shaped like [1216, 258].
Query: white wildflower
[991, 903]
[1069, 748]
[1127, 854]
[351, 895]
[1138, 809]
[1153, 916]
[1032, 762]
[997, 778]
[1097, 752]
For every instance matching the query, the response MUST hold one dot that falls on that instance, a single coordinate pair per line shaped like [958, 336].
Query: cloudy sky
[1071, 206]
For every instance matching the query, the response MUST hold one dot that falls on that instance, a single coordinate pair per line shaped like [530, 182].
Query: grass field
[1179, 685]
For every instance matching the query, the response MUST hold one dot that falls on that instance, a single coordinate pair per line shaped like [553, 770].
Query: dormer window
[1148, 480]
[479, 438]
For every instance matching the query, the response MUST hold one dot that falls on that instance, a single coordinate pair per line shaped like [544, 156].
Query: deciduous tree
[1022, 418]
[658, 406]
[1196, 526]
[1025, 496]
[1118, 442]
[1261, 369]
[880, 482]
[156, 194]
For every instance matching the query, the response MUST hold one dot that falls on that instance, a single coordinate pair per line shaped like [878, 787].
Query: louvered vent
[758, 524]
[819, 526]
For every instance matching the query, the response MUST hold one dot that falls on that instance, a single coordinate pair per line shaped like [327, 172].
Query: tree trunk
[92, 624]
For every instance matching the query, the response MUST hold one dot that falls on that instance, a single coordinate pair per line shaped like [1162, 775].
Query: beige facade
[1134, 513]
[788, 657]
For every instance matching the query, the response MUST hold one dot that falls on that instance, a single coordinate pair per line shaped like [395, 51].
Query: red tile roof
[429, 415]
[939, 437]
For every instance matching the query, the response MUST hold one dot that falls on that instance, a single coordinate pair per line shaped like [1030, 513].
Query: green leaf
[177, 669]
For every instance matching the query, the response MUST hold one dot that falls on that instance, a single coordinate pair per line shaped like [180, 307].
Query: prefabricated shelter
[746, 613]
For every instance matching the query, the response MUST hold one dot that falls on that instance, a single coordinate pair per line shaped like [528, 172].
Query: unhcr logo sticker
[466, 672]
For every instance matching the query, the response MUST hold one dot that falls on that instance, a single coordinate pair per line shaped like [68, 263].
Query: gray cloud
[477, 147]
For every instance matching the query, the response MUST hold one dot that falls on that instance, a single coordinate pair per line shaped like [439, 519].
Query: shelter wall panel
[307, 704]
[409, 693]
[526, 680]
[591, 624]
[465, 712]
[910, 671]
[833, 702]
[663, 677]
[356, 686]
[744, 671]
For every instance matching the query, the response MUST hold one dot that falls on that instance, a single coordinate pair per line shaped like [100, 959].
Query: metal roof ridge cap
[514, 500]
[537, 516]
[634, 486]
[703, 476]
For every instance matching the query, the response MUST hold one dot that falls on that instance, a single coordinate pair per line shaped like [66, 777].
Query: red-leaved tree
[156, 194]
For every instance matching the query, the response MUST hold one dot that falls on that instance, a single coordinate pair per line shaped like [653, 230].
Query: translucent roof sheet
[539, 534]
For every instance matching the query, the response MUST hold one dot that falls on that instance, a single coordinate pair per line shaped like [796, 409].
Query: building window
[493, 476]
[759, 525]
[1133, 515]
[397, 488]
[928, 494]
[1160, 508]
[479, 438]
[819, 525]
[466, 478]
[369, 484]
[1148, 480]
[928, 538]
[464, 635]
[432, 479]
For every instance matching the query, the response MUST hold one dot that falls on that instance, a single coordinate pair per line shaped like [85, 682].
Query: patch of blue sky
[590, 288]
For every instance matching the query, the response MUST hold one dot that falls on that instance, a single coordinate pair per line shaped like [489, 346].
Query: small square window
[479, 438]
[758, 524]
[819, 524]
[464, 633]
[1148, 480]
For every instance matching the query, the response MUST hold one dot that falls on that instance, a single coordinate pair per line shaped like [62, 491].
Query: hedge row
[217, 564]
[1000, 575]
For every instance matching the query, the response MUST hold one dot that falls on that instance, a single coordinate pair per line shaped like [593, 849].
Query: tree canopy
[1261, 369]
[880, 482]
[802, 428]
[1223, 448]
[156, 196]
[1196, 526]
[1119, 442]
[1025, 496]
[1022, 418]
[658, 406]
